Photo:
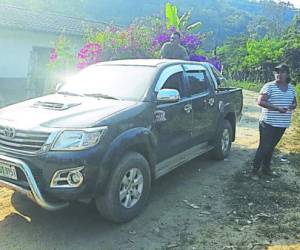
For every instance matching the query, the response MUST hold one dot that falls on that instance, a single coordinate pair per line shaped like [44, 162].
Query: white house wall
[15, 51]
[15, 48]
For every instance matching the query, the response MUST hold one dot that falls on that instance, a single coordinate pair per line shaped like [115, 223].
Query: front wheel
[223, 141]
[127, 191]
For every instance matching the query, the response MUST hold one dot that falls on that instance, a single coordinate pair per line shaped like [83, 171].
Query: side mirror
[58, 86]
[221, 80]
[168, 96]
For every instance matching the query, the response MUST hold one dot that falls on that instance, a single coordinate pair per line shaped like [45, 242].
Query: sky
[295, 2]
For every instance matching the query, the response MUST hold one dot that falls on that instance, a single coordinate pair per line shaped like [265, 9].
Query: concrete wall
[15, 48]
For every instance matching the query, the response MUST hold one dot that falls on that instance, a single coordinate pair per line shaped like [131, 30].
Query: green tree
[232, 55]
[251, 59]
[292, 48]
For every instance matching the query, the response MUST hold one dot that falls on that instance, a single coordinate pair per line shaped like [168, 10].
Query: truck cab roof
[159, 63]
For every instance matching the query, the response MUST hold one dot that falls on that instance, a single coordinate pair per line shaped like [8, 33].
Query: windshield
[111, 81]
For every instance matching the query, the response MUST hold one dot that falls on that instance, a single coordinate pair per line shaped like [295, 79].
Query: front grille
[22, 141]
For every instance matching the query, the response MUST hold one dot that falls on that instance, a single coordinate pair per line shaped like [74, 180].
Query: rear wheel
[128, 189]
[223, 141]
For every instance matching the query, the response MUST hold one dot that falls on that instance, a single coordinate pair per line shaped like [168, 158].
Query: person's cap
[282, 68]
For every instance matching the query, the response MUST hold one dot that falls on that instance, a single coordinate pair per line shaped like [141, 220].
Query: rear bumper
[33, 192]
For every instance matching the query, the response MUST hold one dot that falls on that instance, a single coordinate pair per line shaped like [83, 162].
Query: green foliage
[64, 55]
[245, 85]
[232, 55]
[132, 42]
[180, 23]
[183, 21]
[142, 39]
[245, 58]
[253, 59]
[62, 63]
[224, 19]
[298, 92]
[263, 51]
[171, 16]
[194, 26]
[292, 48]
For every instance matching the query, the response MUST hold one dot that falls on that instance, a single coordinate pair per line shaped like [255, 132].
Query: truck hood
[60, 111]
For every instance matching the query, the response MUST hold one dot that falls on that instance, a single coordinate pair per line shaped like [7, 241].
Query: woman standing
[278, 100]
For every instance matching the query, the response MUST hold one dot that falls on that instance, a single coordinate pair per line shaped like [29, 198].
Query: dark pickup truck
[112, 129]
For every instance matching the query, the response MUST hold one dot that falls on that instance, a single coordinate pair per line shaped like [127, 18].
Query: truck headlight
[78, 139]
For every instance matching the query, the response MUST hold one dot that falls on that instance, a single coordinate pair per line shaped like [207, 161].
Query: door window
[175, 81]
[198, 82]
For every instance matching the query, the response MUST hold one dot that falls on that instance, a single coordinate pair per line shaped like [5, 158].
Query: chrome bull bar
[34, 192]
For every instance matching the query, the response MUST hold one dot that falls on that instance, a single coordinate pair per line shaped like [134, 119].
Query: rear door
[203, 103]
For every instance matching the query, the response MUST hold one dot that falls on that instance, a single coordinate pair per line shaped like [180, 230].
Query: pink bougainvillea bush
[142, 39]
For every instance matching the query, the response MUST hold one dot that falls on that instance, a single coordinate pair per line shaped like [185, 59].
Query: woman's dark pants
[269, 137]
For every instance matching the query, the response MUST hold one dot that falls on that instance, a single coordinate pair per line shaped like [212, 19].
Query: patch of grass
[186, 238]
[291, 139]
[264, 197]
[271, 204]
[245, 85]
[286, 228]
[298, 91]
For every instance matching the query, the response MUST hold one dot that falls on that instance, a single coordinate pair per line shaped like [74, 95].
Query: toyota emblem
[9, 132]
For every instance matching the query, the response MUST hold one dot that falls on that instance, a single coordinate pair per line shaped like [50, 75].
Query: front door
[173, 121]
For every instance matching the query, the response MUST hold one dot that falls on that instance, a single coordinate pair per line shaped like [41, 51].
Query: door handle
[209, 101]
[188, 108]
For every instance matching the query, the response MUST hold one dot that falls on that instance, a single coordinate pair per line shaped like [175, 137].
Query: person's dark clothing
[173, 51]
[269, 137]
[272, 124]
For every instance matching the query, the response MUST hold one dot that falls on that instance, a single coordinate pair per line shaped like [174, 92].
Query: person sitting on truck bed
[173, 49]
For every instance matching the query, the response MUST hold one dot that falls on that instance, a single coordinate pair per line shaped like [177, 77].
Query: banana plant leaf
[171, 16]
[194, 26]
[184, 19]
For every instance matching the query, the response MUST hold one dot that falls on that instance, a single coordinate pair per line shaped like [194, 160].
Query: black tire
[110, 205]
[223, 141]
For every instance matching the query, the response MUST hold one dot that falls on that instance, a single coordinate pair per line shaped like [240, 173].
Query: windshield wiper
[68, 93]
[98, 95]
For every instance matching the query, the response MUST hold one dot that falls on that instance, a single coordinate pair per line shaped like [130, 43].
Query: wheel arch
[140, 140]
[232, 119]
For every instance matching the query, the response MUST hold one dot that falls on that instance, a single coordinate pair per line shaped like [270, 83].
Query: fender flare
[226, 115]
[139, 139]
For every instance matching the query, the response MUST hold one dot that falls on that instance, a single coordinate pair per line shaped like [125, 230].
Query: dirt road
[197, 206]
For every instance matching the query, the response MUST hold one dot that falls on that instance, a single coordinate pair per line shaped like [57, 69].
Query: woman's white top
[281, 99]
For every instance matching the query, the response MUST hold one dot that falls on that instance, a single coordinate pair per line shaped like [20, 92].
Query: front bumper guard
[34, 192]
